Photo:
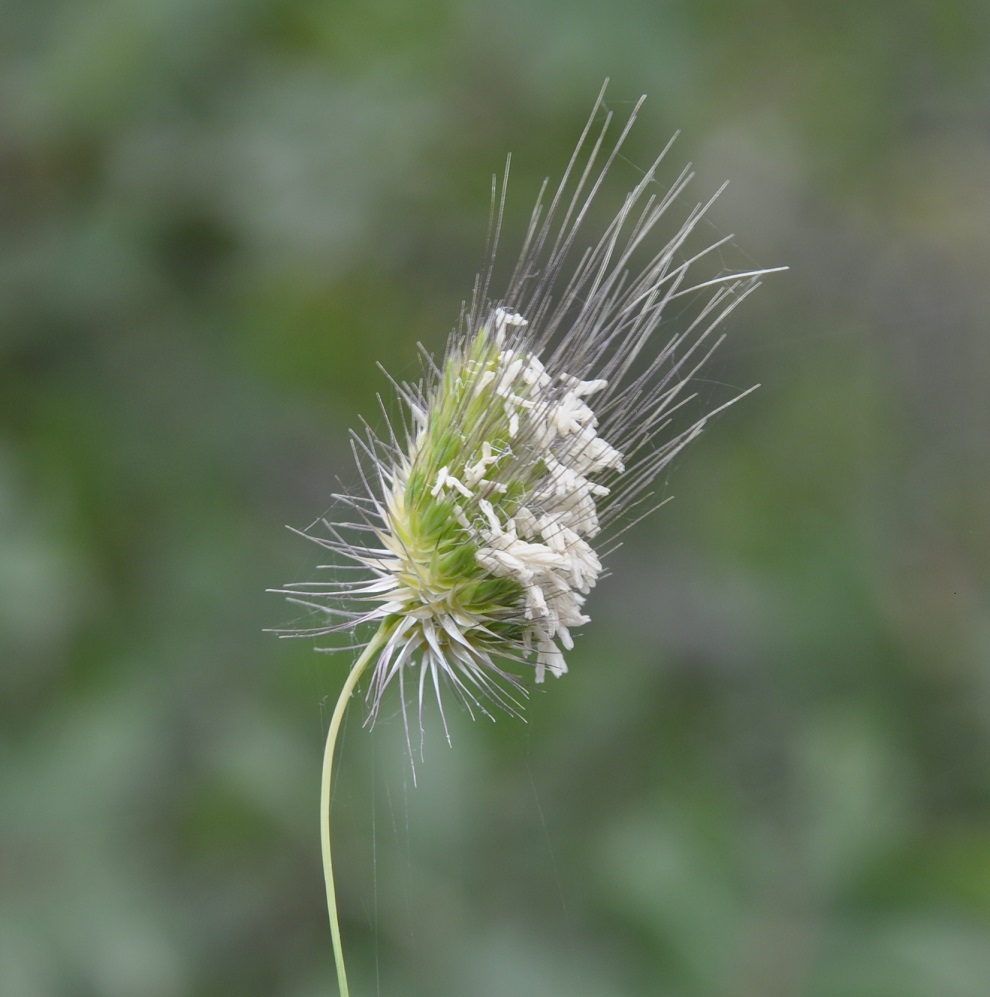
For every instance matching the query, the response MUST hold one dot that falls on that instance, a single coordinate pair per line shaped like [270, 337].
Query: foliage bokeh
[768, 772]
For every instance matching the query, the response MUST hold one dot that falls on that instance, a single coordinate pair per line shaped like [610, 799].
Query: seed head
[482, 521]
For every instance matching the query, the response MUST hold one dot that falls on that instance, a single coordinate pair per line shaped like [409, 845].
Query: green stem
[338, 715]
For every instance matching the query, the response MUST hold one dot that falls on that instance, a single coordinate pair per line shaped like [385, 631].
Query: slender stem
[338, 715]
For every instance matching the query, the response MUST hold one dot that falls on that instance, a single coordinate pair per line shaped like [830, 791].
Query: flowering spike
[482, 521]
[540, 433]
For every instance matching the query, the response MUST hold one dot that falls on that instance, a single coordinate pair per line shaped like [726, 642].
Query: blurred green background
[768, 772]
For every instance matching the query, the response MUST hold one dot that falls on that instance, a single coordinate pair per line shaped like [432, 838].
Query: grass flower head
[482, 521]
[469, 552]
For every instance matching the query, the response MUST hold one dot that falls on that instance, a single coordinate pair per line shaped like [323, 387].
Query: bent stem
[338, 715]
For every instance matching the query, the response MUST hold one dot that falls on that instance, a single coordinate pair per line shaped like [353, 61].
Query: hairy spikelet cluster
[479, 530]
